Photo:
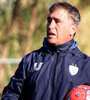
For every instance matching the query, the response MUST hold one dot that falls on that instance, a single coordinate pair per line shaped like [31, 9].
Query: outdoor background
[23, 27]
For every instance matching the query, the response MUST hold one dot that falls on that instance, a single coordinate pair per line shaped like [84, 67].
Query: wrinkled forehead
[59, 13]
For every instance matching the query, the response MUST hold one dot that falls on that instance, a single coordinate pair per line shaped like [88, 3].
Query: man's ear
[73, 29]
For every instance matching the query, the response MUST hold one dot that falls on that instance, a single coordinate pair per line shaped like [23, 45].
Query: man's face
[59, 27]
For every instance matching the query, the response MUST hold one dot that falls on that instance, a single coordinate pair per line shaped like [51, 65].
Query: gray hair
[72, 10]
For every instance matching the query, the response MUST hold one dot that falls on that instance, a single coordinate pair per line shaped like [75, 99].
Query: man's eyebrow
[52, 18]
[56, 19]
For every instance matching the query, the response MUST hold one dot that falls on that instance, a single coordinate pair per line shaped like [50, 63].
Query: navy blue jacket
[49, 73]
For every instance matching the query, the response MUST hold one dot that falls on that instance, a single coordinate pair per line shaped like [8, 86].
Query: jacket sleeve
[14, 89]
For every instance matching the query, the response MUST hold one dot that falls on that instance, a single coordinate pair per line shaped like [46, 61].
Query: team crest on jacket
[73, 69]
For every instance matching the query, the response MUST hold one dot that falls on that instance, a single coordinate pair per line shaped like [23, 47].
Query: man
[50, 72]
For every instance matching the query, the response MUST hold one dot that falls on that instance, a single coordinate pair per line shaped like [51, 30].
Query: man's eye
[57, 21]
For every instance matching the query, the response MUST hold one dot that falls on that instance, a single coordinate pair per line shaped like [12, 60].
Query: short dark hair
[72, 10]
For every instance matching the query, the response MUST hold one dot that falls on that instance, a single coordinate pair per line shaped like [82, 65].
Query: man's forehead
[59, 13]
[59, 10]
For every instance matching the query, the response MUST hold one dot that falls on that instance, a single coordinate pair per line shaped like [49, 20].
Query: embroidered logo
[37, 66]
[73, 69]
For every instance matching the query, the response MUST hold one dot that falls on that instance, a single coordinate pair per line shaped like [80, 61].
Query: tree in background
[23, 25]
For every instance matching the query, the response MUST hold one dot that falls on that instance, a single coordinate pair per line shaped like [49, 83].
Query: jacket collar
[61, 48]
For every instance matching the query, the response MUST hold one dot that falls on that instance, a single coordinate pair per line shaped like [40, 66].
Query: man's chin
[51, 41]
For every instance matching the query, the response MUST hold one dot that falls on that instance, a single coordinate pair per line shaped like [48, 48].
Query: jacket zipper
[54, 75]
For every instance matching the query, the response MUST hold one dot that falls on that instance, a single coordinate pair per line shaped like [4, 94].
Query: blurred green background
[23, 27]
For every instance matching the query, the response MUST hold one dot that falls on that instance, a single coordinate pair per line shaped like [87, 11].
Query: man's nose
[52, 24]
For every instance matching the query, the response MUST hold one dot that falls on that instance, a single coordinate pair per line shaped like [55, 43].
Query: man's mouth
[51, 35]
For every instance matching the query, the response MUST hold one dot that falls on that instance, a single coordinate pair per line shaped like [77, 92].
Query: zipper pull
[58, 51]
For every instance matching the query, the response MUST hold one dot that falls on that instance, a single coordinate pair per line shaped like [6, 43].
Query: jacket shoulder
[28, 57]
[80, 54]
